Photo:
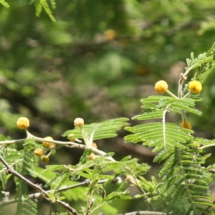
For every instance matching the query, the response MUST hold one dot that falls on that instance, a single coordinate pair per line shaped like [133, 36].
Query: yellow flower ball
[195, 87]
[161, 87]
[92, 156]
[48, 144]
[45, 159]
[38, 152]
[23, 123]
[186, 125]
[79, 122]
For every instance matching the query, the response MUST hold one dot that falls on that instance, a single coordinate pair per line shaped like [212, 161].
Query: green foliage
[25, 205]
[161, 135]
[96, 131]
[185, 180]
[42, 4]
[4, 3]
[88, 70]
[107, 42]
[39, 6]
[22, 161]
[100, 171]
[203, 62]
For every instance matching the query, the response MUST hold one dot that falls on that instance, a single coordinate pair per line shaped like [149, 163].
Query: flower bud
[23, 123]
[186, 125]
[48, 144]
[92, 156]
[79, 122]
[38, 152]
[45, 159]
[195, 87]
[161, 87]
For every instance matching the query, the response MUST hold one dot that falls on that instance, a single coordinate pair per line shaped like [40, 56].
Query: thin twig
[207, 146]
[38, 194]
[70, 145]
[13, 164]
[36, 187]
[185, 96]
[5, 142]
[183, 78]
[171, 94]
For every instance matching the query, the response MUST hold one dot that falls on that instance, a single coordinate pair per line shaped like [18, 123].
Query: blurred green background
[96, 62]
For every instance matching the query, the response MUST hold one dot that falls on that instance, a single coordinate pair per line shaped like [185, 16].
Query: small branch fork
[183, 78]
[44, 193]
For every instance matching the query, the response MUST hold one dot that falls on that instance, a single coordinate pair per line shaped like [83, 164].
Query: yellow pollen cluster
[79, 122]
[161, 87]
[45, 159]
[195, 87]
[23, 123]
[38, 152]
[186, 125]
[48, 144]
[92, 156]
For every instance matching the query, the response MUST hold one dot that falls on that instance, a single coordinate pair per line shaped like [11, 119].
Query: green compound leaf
[159, 135]
[203, 62]
[185, 182]
[42, 4]
[103, 130]
[4, 3]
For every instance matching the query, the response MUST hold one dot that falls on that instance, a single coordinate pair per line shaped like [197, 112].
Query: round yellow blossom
[23, 123]
[195, 87]
[48, 144]
[186, 125]
[79, 122]
[92, 156]
[45, 158]
[161, 87]
[38, 152]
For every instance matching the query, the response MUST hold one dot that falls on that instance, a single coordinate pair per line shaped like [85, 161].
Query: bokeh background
[96, 62]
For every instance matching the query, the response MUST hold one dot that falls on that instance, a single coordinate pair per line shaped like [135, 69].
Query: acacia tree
[182, 185]
[183, 182]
